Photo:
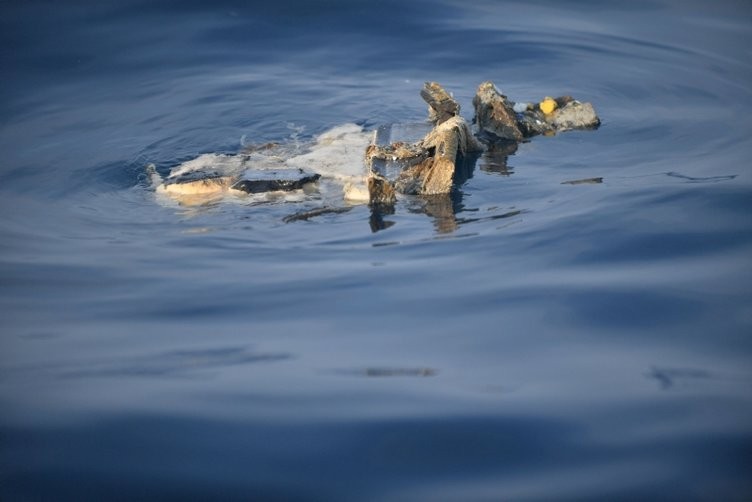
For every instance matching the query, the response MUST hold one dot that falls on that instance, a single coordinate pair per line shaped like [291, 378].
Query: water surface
[537, 340]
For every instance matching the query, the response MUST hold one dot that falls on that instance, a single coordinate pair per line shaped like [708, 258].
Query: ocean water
[523, 339]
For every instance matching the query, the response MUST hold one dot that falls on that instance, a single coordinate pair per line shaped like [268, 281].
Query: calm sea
[529, 340]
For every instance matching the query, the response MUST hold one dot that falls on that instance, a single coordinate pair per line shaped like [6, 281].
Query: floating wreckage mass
[425, 167]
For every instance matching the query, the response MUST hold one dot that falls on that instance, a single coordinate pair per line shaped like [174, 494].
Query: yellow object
[548, 105]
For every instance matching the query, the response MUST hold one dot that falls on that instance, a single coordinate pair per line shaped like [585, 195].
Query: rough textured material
[441, 105]
[381, 191]
[497, 121]
[570, 114]
[575, 115]
[447, 141]
[533, 122]
[494, 115]
[428, 166]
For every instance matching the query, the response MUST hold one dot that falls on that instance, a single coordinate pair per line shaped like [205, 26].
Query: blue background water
[548, 341]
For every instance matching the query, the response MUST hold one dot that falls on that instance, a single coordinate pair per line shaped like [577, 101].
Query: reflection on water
[442, 208]
[495, 160]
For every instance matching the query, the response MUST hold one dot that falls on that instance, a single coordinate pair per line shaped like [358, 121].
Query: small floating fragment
[584, 181]
[312, 213]
[400, 372]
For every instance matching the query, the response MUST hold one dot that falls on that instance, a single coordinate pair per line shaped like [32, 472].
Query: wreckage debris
[428, 163]
[428, 166]
[441, 105]
[554, 115]
[275, 184]
[199, 182]
[495, 117]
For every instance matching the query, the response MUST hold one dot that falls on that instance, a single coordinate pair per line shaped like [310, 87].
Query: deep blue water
[540, 341]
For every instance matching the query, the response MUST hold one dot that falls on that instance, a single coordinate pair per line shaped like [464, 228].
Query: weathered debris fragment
[428, 166]
[380, 190]
[494, 115]
[401, 154]
[448, 142]
[194, 186]
[553, 115]
[441, 105]
[273, 181]
[427, 159]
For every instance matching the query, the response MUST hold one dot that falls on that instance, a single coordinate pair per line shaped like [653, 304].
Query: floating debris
[584, 181]
[273, 181]
[431, 165]
[312, 213]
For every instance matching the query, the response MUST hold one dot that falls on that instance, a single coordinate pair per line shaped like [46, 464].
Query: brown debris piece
[448, 141]
[441, 105]
[494, 115]
[429, 165]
